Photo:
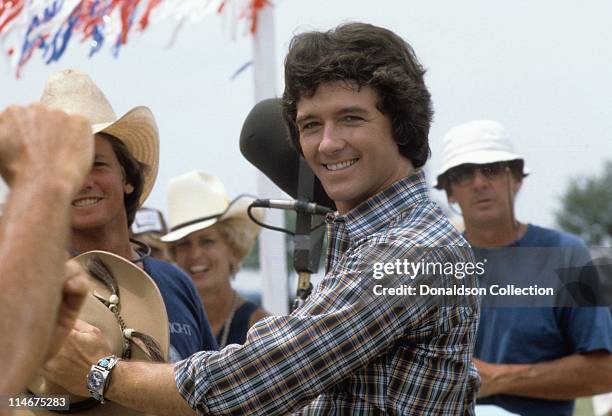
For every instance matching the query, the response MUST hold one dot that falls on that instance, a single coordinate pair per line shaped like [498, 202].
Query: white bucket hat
[197, 200]
[75, 93]
[477, 142]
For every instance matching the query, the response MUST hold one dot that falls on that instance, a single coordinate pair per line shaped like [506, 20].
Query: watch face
[95, 380]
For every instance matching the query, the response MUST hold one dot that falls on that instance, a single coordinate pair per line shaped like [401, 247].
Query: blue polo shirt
[536, 334]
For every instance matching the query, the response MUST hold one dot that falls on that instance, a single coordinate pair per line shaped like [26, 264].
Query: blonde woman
[209, 237]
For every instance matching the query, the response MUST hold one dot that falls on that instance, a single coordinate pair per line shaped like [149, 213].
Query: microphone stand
[308, 238]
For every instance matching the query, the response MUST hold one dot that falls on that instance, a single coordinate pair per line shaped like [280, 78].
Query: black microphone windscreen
[264, 141]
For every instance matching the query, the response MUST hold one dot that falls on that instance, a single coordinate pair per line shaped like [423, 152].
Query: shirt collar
[385, 206]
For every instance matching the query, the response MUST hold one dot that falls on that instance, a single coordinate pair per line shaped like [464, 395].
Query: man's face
[348, 143]
[484, 196]
[99, 203]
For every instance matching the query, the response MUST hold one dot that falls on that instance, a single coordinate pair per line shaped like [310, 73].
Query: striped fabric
[346, 351]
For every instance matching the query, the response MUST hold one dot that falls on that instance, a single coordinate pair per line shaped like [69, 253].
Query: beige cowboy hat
[197, 200]
[75, 93]
[142, 310]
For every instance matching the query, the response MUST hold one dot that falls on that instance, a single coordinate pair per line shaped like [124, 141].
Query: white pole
[275, 292]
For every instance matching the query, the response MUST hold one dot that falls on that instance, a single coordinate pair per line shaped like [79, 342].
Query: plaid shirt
[345, 351]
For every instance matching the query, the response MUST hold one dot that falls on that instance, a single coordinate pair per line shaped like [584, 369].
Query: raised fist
[40, 143]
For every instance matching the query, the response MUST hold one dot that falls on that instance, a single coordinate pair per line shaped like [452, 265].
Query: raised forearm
[147, 387]
[567, 378]
[33, 240]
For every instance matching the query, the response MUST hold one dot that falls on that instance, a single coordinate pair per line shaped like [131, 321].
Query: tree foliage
[587, 208]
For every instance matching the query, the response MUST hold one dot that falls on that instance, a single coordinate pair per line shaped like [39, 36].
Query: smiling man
[349, 143]
[532, 360]
[358, 109]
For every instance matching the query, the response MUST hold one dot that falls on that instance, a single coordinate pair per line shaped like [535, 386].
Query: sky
[543, 69]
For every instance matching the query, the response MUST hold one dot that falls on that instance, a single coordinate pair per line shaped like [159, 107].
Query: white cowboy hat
[197, 200]
[477, 142]
[75, 93]
[141, 309]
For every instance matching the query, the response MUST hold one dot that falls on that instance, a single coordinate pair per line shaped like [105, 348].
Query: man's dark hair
[369, 56]
[134, 172]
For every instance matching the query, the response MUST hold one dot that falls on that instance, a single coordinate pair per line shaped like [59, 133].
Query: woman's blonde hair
[239, 236]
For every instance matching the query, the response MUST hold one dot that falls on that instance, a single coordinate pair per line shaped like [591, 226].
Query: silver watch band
[99, 376]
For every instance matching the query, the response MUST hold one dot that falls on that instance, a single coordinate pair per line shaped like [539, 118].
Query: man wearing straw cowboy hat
[358, 108]
[532, 360]
[40, 293]
[123, 173]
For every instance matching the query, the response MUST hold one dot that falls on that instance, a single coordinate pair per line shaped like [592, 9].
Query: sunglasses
[464, 174]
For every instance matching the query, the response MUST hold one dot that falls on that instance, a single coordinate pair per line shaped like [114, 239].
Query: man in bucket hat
[44, 156]
[123, 173]
[532, 360]
[358, 107]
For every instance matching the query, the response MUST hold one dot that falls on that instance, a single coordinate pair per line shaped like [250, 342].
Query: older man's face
[99, 203]
[486, 199]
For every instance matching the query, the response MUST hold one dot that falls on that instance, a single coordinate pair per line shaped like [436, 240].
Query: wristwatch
[99, 376]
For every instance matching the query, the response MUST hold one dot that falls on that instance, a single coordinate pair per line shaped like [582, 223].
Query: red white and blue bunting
[46, 27]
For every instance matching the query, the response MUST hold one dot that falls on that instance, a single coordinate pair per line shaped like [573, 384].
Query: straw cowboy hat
[477, 142]
[75, 93]
[197, 200]
[144, 335]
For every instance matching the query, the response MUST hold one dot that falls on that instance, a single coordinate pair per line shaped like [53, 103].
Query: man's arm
[285, 363]
[566, 378]
[300, 355]
[148, 387]
[44, 156]
[152, 388]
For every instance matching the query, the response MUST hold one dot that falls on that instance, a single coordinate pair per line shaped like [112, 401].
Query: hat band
[210, 217]
[146, 343]
[197, 220]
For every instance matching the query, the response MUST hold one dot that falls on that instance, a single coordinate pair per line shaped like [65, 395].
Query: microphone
[292, 205]
[265, 143]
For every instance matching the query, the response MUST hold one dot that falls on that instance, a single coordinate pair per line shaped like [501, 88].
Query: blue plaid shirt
[346, 351]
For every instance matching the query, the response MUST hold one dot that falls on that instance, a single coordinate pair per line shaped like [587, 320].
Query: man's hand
[74, 290]
[83, 347]
[40, 142]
